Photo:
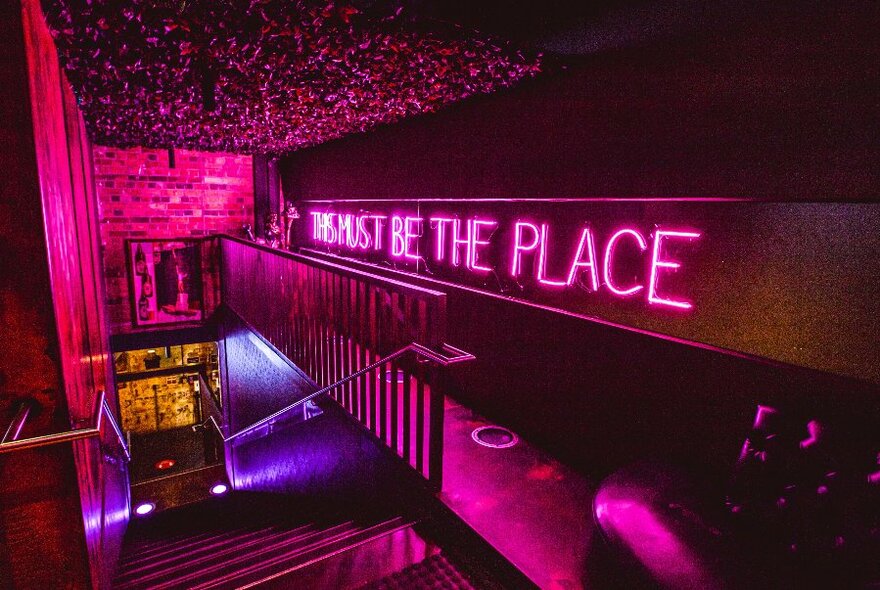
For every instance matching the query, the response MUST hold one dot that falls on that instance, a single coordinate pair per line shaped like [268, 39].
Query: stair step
[193, 556]
[173, 539]
[189, 573]
[207, 578]
[193, 544]
[359, 564]
[258, 574]
[215, 529]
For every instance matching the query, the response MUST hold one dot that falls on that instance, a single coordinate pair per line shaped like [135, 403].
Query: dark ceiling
[273, 76]
[525, 22]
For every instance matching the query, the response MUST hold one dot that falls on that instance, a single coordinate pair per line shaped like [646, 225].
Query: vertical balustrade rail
[333, 321]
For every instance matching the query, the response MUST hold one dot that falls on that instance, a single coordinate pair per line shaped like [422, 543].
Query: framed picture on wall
[165, 281]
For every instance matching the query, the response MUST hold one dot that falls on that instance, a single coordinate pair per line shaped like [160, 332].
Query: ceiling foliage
[265, 76]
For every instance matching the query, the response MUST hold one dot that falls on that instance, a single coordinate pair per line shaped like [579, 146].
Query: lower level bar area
[376, 295]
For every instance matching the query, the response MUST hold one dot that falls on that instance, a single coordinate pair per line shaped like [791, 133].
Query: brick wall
[141, 196]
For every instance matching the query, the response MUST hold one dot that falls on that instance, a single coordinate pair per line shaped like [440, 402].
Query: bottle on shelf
[147, 286]
[143, 308]
[140, 261]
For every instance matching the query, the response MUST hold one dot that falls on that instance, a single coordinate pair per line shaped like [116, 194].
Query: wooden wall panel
[67, 195]
[41, 533]
[776, 103]
[599, 397]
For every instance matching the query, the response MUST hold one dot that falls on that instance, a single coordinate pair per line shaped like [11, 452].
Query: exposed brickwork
[141, 196]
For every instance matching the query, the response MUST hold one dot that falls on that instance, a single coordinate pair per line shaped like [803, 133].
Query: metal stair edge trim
[159, 547]
[171, 583]
[403, 524]
[231, 544]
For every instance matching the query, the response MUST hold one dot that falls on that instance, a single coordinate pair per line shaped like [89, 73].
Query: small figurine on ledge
[274, 233]
[290, 214]
[249, 232]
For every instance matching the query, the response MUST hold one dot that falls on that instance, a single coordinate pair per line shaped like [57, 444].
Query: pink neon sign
[590, 263]
[607, 266]
[476, 243]
[657, 264]
[609, 253]
[519, 247]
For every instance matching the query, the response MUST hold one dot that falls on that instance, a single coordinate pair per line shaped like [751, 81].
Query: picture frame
[165, 281]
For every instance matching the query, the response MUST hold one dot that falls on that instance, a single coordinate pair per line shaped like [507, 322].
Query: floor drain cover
[495, 437]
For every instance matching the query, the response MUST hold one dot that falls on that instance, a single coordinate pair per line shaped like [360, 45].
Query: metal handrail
[207, 398]
[14, 430]
[120, 438]
[101, 408]
[419, 349]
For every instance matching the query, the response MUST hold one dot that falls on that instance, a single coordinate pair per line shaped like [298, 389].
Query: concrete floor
[532, 509]
[182, 445]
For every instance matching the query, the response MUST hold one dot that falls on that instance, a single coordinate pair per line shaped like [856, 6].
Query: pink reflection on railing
[655, 545]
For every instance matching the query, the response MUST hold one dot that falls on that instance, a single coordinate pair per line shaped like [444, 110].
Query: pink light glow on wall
[458, 241]
[542, 261]
[404, 231]
[586, 240]
[657, 264]
[397, 241]
[471, 239]
[440, 231]
[412, 230]
[609, 251]
[519, 247]
[345, 229]
[477, 242]
[378, 224]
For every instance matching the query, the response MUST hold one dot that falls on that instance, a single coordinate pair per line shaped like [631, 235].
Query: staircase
[433, 573]
[222, 545]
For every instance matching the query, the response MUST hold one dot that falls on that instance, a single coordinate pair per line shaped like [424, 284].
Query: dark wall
[30, 365]
[792, 282]
[74, 496]
[39, 487]
[599, 396]
[776, 104]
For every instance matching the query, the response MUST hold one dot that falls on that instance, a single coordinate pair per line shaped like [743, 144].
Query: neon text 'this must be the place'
[467, 243]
